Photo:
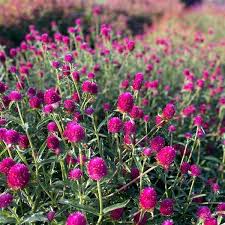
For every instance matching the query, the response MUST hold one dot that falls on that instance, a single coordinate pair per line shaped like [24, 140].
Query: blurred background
[128, 16]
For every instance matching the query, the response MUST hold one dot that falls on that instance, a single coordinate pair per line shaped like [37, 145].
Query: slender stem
[192, 185]
[142, 170]
[100, 203]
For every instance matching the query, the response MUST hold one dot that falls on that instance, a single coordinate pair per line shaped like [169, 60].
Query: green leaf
[88, 209]
[35, 217]
[115, 206]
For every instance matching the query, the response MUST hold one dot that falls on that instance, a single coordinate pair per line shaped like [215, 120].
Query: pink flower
[125, 102]
[51, 215]
[5, 200]
[220, 209]
[18, 176]
[195, 170]
[148, 199]
[76, 218]
[115, 125]
[138, 81]
[52, 142]
[11, 137]
[168, 111]
[34, 102]
[168, 222]
[15, 96]
[166, 156]
[52, 127]
[210, 221]
[147, 152]
[184, 168]
[74, 132]
[51, 96]
[166, 207]
[157, 143]
[75, 174]
[97, 168]
[140, 219]
[23, 141]
[6, 164]
[203, 212]
[90, 87]
[116, 214]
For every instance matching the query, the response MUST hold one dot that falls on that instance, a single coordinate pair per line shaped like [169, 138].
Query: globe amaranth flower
[115, 125]
[147, 152]
[6, 164]
[210, 221]
[138, 81]
[69, 105]
[89, 87]
[34, 102]
[168, 222]
[52, 127]
[52, 142]
[97, 168]
[51, 96]
[140, 218]
[23, 141]
[157, 143]
[18, 176]
[116, 214]
[166, 207]
[11, 137]
[74, 132]
[15, 96]
[148, 199]
[185, 167]
[195, 170]
[166, 156]
[75, 174]
[50, 215]
[168, 111]
[220, 209]
[5, 200]
[76, 218]
[125, 102]
[203, 212]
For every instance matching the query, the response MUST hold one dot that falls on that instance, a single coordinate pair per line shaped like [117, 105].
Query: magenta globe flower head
[75, 174]
[76, 218]
[147, 152]
[220, 209]
[195, 170]
[23, 141]
[106, 107]
[50, 215]
[15, 96]
[47, 109]
[215, 187]
[140, 219]
[172, 129]
[52, 142]
[157, 143]
[125, 102]
[159, 121]
[203, 213]
[69, 105]
[129, 127]
[89, 87]
[3, 87]
[166, 207]
[6, 164]
[34, 102]
[138, 81]
[135, 112]
[52, 127]
[18, 176]
[210, 221]
[168, 111]
[5, 200]
[97, 168]
[166, 156]
[185, 167]
[11, 137]
[115, 125]
[198, 121]
[68, 58]
[89, 111]
[168, 222]
[148, 199]
[116, 214]
[51, 96]
[74, 132]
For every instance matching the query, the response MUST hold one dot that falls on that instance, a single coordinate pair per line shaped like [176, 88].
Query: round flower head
[184, 168]
[116, 214]
[147, 152]
[198, 121]
[23, 141]
[168, 111]
[74, 132]
[140, 219]
[68, 58]
[51, 215]
[52, 127]
[15, 96]
[34, 102]
[168, 222]
[3, 87]
[90, 87]
[166, 156]
[115, 125]
[76, 218]
[125, 102]
[166, 207]
[69, 105]
[5, 200]
[6, 164]
[203, 212]
[48, 109]
[11, 137]
[157, 143]
[220, 209]
[75, 174]
[148, 199]
[129, 127]
[18, 176]
[52, 142]
[138, 81]
[97, 168]
[195, 170]
[51, 96]
[210, 221]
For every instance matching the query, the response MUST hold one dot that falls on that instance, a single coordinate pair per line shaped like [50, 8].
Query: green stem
[100, 203]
